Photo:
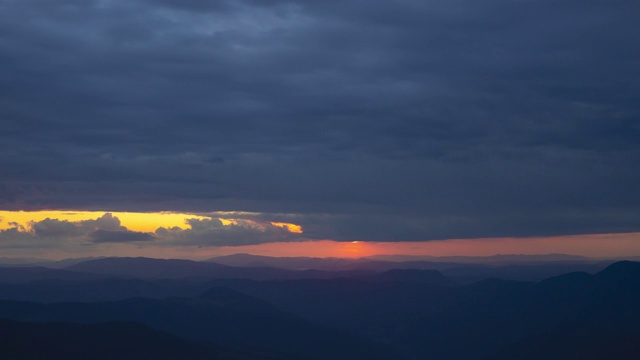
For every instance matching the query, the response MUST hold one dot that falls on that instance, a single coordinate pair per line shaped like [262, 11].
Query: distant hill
[490, 315]
[107, 289]
[464, 269]
[620, 272]
[301, 263]
[27, 274]
[413, 275]
[106, 341]
[291, 263]
[464, 322]
[221, 317]
[415, 313]
[493, 259]
[574, 341]
[473, 272]
[149, 268]
[9, 261]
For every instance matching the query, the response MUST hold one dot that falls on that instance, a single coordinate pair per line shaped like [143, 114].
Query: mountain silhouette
[574, 341]
[219, 317]
[115, 340]
[394, 314]
[413, 275]
[150, 268]
[10, 275]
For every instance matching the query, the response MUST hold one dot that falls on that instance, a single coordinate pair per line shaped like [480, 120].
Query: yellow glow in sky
[227, 222]
[143, 222]
[297, 229]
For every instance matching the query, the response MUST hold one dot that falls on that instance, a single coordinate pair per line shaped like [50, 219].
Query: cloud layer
[60, 233]
[360, 120]
[107, 229]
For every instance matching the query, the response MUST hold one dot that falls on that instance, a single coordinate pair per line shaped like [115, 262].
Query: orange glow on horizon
[623, 245]
[590, 245]
[357, 249]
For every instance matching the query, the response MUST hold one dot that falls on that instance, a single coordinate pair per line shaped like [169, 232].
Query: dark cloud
[106, 222]
[236, 230]
[364, 119]
[54, 228]
[212, 232]
[119, 236]
[55, 233]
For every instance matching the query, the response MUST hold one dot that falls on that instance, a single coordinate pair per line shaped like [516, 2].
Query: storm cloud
[359, 120]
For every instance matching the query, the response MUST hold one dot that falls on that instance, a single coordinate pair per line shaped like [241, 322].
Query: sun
[355, 249]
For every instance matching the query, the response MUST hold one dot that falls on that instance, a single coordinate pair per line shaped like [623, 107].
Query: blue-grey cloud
[56, 233]
[408, 120]
[241, 231]
[119, 236]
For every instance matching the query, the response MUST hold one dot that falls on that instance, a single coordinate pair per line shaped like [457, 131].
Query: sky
[193, 127]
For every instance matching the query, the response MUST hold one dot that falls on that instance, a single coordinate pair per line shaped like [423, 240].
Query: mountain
[149, 268]
[219, 317]
[364, 306]
[474, 272]
[574, 341]
[488, 316]
[59, 264]
[387, 262]
[522, 272]
[291, 263]
[12, 275]
[620, 272]
[56, 286]
[9, 261]
[433, 277]
[106, 341]
[461, 322]
[398, 313]
[242, 266]
[493, 259]
[108, 289]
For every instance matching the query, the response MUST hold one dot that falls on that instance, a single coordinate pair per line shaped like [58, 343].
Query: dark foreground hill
[150, 268]
[15, 275]
[220, 317]
[108, 341]
[417, 313]
[575, 341]
[466, 322]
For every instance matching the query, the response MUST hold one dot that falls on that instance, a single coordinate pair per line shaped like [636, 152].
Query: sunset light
[228, 222]
[329, 180]
[289, 227]
[143, 222]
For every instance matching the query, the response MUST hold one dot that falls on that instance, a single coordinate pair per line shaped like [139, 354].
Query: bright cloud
[71, 229]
